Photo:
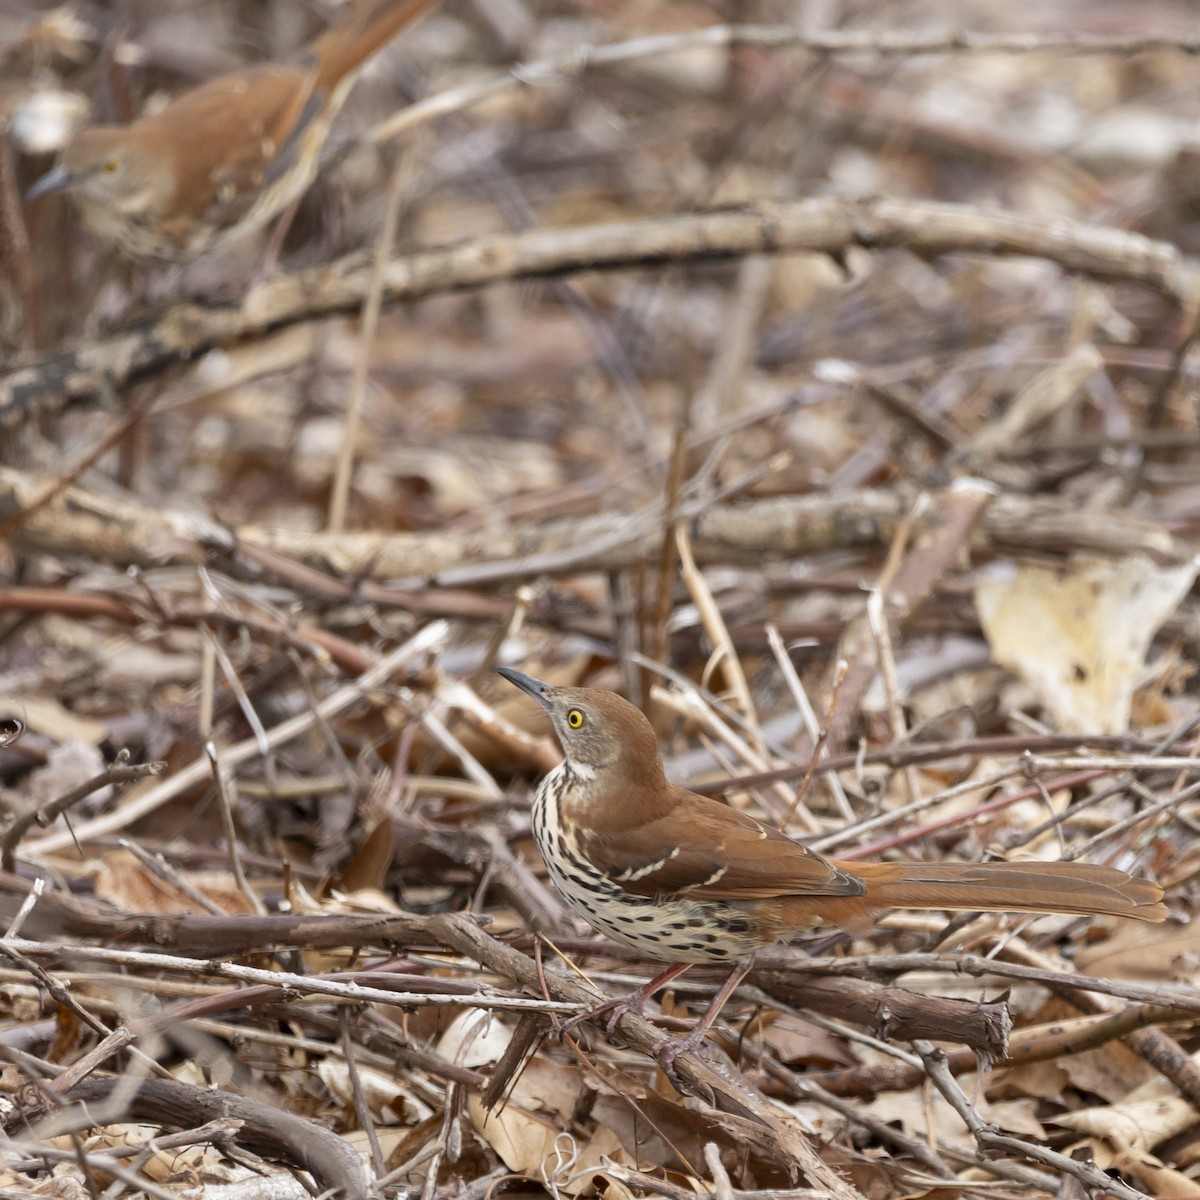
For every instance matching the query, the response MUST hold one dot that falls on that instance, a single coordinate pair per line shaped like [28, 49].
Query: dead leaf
[388, 1102]
[68, 765]
[48, 717]
[1037, 1079]
[128, 885]
[1162, 1182]
[369, 864]
[1169, 953]
[1111, 1071]
[475, 1038]
[1134, 1124]
[1078, 635]
[795, 1042]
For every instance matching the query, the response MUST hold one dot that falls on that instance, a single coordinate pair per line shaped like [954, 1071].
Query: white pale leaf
[1079, 634]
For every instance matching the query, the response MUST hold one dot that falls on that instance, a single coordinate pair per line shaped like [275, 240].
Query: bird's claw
[617, 1007]
[627, 1004]
[669, 1050]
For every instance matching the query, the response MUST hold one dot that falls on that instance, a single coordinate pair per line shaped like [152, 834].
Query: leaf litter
[1038, 698]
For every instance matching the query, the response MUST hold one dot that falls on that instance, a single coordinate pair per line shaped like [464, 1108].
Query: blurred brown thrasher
[687, 879]
[226, 157]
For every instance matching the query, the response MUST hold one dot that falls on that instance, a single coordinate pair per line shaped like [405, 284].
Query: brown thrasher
[688, 879]
[226, 157]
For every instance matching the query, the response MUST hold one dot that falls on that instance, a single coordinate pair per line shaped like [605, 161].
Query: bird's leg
[635, 1002]
[673, 1047]
[268, 267]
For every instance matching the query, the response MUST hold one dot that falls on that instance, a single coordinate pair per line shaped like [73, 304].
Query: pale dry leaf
[986, 829]
[356, 903]
[1096, 1149]
[1013, 1116]
[190, 1071]
[1036, 1079]
[540, 1150]
[302, 902]
[462, 481]
[614, 1189]
[389, 1137]
[475, 1038]
[1137, 1125]
[260, 1182]
[1111, 1071]
[161, 1165]
[909, 1110]
[362, 902]
[132, 664]
[1131, 137]
[793, 1041]
[549, 1087]
[941, 681]
[389, 1103]
[1169, 953]
[1078, 635]
[1162, 1181]
[524, 1142]
[700, 70]
[602, 1149]
[56, 1187]
[46, 716]
[819, 1121]
[129, 886]
[68, 765]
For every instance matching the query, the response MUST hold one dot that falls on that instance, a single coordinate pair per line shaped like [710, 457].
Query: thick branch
[263, 1129]
[823, 225]
[126, 532]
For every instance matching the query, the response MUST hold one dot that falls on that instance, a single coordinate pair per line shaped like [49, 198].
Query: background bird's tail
[368, 27]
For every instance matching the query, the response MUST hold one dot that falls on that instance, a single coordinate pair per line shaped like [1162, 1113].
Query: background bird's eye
[111, 166]
[574, 718]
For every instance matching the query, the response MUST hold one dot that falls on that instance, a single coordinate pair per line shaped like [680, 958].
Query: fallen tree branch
[262, 1128]
[126, 532]
[823, 225]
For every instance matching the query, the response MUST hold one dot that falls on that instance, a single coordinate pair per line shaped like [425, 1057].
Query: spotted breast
[677, 928]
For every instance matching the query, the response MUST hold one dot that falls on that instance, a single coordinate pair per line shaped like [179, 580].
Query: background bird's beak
[532, 687]
[52, 181]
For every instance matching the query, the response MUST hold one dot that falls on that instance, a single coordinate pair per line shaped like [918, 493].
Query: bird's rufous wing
[709, 851]
[229, 163]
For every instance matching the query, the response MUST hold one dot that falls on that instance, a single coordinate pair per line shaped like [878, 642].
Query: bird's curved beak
[53, 181]
[530, 686]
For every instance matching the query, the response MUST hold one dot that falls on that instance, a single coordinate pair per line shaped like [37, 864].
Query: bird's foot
[616, 1008]
[671, 1048]
[634, 1003]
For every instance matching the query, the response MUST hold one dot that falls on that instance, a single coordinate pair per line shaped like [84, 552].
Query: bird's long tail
[996, 887]
[367, 28]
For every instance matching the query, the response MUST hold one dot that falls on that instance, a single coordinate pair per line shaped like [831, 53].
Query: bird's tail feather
[1026, 887]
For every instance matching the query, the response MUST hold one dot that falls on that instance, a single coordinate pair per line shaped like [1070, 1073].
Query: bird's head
[598, 730]
[107, 167]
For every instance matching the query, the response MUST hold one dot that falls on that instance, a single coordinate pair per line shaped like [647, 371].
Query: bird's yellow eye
[111, 166]
[574, 718]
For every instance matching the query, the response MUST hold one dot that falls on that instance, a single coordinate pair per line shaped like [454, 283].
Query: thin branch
[120, 772]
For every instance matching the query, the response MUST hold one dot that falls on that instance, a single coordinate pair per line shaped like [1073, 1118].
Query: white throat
[583, 772]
